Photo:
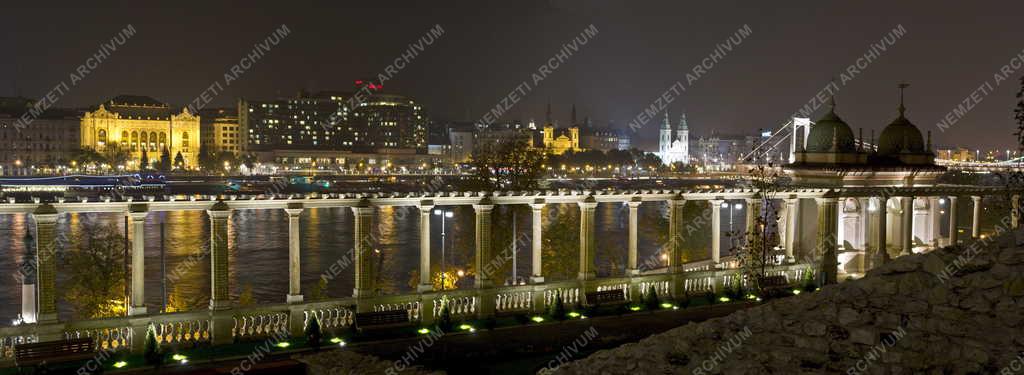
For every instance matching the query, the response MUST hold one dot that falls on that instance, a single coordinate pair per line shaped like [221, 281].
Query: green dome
[900, 136]
[828, 129]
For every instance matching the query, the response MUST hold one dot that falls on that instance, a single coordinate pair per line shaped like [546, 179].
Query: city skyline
[483, 53]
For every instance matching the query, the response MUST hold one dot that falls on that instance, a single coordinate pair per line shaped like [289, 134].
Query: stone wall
[955, 310]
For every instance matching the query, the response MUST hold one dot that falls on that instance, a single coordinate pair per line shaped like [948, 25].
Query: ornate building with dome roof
[138, 123]
[879, 194]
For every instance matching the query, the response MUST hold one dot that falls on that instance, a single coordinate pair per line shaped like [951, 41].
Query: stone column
[792, 228]
[538, 245]
[907, 238]
[45, 217]
[676, 228]
[219, 289]
[631, 266]
[425, 284]
[827, 223]
[294, 210]
[1015, 213]
[716, 230]
[954, 236]
[363, 251]
[483, 243]
[882, 252]
[976, 222]
[935, 217]
[136, 227]
[587, 241]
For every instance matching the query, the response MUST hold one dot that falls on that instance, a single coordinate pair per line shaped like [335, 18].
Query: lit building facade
[50, 140]
[674, 150]
[138, 123]
[365, 121]
[220, 130]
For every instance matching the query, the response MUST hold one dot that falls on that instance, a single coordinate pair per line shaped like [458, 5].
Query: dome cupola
[901, 136]
[831, 134]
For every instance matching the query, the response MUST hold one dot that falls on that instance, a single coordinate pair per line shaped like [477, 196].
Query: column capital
[634, 203]
[293, 212]
[425, 209]
[717, 201]
[363, 208]
[216, 214]
[826, 199]
[479, 208]
[426, 203]
[952, 198]
[45, 213]
[136, 215]
[538, 204]
[976, 198]
[587, 205]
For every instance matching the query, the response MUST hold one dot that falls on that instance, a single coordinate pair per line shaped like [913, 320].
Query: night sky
[488, 48]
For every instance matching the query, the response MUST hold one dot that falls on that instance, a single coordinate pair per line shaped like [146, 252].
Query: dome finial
[902, 108]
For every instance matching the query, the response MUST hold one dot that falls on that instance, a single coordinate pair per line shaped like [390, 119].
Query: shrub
[710, 296]
[151, 352]
[444, 322]
[651, 301]
[313, 334]
[557, 309]
[809, 284]
[684, 300]
[490, 323]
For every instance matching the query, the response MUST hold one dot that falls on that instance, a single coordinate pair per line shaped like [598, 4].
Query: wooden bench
[606, 297]
[41, 354]
[382, 319]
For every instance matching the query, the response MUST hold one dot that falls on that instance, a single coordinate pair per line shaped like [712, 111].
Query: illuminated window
[135, 140]
[184, 140]
[163, 140]
[124, 139]
[152, 141]
[101, 137]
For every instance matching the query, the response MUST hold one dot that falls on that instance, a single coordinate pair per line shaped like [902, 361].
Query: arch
[163, 140]
[184, 140]
[152, 141]
[135, 140]
[851, 205]
[143, 140]
[124, 139]
[101, 137]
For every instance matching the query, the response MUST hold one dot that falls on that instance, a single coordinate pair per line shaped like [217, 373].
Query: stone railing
[514, 299]
[331, 314]
[257, 323]
[110, 334]
[461, 303]
[250, 323]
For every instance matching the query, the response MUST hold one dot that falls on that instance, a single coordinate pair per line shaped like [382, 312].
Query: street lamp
[444, 214]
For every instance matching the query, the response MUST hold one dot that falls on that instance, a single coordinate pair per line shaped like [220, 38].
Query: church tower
[665, 138]
[683, 137]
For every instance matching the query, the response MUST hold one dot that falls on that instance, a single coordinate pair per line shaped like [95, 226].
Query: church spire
[665, 124]
[682, 122]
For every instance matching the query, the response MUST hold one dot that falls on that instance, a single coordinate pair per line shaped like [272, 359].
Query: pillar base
[790, 259]
[586, 276]
[219, 305]
[633, 272]
[136, 310]
[293, 298]
[536, 279]
[906, 252]
[425, 288]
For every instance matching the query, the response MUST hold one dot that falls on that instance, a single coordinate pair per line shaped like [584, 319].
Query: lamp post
[443, 214]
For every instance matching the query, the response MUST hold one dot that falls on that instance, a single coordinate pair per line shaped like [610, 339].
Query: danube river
[177, 267]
